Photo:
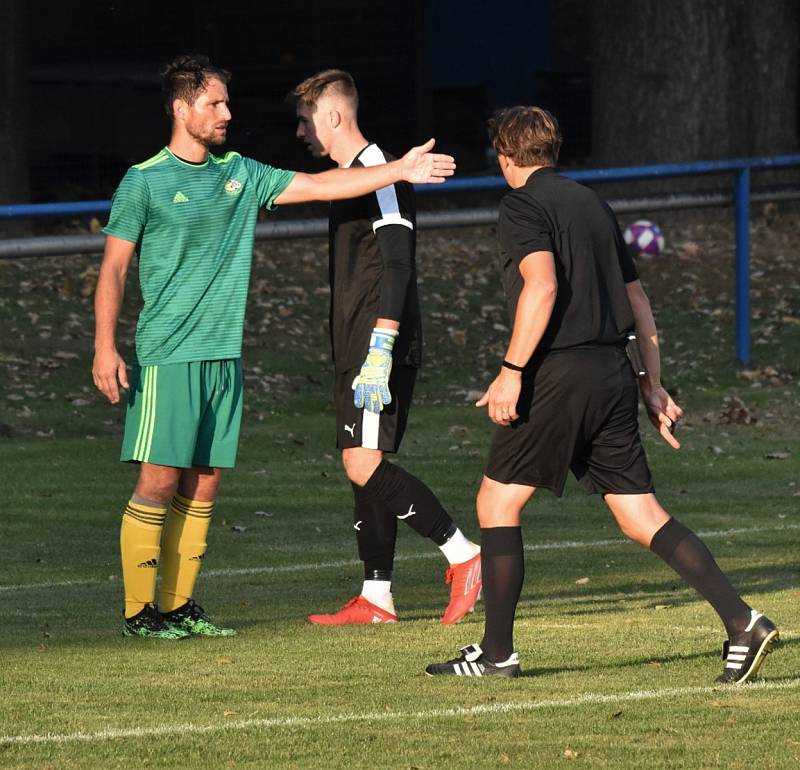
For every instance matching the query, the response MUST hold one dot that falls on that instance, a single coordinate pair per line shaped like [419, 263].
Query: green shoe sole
[172, 634]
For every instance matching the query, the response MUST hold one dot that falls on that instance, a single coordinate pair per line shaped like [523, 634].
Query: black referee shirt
[373, 270]
[553, 213]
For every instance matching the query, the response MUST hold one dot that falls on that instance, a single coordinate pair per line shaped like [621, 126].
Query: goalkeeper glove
[371, 387]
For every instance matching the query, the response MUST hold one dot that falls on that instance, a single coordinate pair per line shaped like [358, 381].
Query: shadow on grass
[748, 580]
[644, 662]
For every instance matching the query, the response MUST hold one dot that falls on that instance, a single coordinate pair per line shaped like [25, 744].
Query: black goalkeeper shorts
[578, 411]
[359, 427]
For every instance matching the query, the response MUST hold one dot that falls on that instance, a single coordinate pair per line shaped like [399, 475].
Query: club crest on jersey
[233, 187]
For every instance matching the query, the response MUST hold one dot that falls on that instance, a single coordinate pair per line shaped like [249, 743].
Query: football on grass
[644, 238]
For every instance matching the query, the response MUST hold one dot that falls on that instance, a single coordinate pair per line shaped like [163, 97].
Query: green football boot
[191, 619]
[150, 624]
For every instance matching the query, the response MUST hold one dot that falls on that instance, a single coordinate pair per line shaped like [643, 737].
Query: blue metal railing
[740, 167]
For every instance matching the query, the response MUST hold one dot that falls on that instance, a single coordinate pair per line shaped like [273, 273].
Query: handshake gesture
[421, 166]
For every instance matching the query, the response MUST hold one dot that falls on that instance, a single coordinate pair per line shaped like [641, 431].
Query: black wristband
[514, 367]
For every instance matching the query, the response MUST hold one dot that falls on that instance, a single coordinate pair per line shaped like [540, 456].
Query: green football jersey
[194, 227]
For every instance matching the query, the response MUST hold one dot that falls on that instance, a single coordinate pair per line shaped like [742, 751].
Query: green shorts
[184, 414]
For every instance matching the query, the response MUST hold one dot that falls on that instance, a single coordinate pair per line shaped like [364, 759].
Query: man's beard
[208, 140]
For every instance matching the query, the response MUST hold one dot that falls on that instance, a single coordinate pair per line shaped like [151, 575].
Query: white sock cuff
[458, 549]
[379, 592]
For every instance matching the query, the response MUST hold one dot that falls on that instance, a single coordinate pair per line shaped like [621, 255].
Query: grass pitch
[619, 656]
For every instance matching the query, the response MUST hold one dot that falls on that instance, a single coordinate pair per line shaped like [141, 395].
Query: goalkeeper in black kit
[376, 340]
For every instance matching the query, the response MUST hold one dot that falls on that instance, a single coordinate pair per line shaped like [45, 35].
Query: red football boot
[357, 612]
[465, 589]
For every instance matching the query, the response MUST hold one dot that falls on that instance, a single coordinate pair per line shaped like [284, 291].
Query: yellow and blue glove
[371, 387]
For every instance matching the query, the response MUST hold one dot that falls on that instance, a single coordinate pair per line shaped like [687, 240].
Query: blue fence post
[743, 265]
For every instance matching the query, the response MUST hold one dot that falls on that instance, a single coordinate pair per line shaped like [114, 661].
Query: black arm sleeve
[396, 243]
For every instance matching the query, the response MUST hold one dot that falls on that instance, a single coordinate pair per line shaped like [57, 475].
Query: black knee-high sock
[407, 498]
[503, 568]
[376, 535]
[690, 558]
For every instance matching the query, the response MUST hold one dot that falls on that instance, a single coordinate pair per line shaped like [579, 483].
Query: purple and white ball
[644, 238]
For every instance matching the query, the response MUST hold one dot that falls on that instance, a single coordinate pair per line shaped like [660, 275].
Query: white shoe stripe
[738, 648]
[476, 669]
[733, 665]
[737, 657]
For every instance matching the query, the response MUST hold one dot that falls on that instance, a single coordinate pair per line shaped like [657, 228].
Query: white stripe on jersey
[387, 198]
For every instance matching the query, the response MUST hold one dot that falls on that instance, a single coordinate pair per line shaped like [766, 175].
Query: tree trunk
[14, 182]
[693, 80]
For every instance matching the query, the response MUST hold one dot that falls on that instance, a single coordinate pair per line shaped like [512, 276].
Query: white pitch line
[590, 698]
[554, 546]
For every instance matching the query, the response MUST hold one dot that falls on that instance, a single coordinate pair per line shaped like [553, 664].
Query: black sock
[503, 568]
[407, 498]
[376, 534]
[690, 558]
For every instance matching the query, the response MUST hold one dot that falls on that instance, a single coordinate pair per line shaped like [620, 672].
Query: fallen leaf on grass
[504, 758]
[458, 337]
[238, 528]
[264, 514]
[777, 455]
[570, 754]
[616, 714]
[662, 606]
[735, 412]
[582, 581]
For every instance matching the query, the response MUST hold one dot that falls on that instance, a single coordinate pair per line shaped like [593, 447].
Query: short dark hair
[186, 77]
[324, 83]
[528, 135]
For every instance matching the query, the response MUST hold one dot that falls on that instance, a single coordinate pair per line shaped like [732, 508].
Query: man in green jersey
[191, 217]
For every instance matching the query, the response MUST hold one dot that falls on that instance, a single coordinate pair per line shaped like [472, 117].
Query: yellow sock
[184, 547]
[139, 539]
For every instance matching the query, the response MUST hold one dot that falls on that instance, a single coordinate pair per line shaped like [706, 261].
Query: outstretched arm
[108, 368]
[663, 412]
[419, 165]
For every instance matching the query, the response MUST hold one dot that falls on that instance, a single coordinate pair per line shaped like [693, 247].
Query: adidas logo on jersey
[180, 198]
[149, 564]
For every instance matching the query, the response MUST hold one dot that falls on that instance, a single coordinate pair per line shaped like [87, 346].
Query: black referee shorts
[359, 427]
[578, 411]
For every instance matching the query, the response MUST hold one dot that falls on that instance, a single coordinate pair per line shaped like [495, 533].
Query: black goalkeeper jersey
[373, 270]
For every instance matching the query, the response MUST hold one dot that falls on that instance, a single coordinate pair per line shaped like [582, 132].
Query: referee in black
[566, 397]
